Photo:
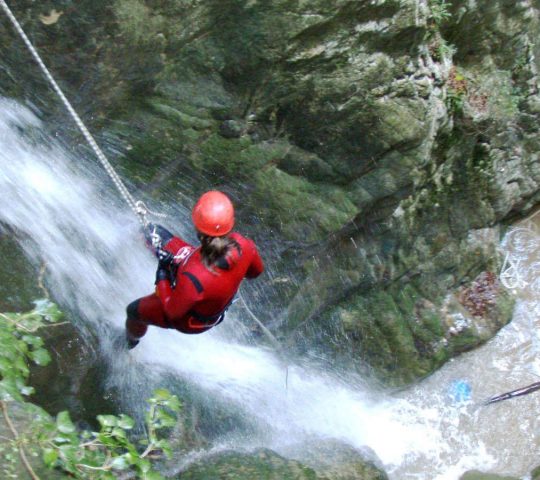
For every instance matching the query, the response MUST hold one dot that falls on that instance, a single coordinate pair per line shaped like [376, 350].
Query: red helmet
[213, 214]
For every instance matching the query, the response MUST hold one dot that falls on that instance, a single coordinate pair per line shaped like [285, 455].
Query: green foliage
[454, 102]
[79, 454]
[439, 11]
[19, 345]
[445, 50]
[101, 455]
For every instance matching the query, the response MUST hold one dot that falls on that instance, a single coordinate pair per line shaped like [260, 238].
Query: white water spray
[97, 263]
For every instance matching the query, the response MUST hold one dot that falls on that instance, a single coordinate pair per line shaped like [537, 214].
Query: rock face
[265, 464]
[375, 149]
[474, 475]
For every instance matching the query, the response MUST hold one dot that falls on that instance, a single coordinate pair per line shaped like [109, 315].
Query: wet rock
[380, 139]
[232, 129]
[336, 460]
[239, 466]
[475, 475]
[267, 464]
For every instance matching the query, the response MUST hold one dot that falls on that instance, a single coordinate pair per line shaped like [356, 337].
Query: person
[195, 285]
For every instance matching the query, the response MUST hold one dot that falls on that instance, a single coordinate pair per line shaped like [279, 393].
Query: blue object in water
[460, 391]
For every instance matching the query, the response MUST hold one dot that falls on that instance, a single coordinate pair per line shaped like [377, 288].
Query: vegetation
[456, 92]
[439, 11]
[80, 454]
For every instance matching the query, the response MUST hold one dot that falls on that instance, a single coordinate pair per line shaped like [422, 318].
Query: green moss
[180, 118]
[300, 209]
[227, 157]
[475, 475]
[264, 465]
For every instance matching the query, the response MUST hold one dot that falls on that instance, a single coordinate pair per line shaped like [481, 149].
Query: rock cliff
[375, 149]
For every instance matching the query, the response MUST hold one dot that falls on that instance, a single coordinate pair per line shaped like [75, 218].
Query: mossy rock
[263, 465]
[267, 465]
[475, 475]
[333, 126]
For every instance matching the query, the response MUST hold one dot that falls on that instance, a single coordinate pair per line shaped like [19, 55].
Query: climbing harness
[138, 207]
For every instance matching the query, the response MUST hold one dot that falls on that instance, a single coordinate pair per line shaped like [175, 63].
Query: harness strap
[217, 317]
[196, 283]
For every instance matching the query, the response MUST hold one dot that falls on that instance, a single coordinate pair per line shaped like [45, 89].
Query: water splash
[96, 264]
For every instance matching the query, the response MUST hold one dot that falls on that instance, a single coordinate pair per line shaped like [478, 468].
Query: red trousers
[143, 312]
[149, 311]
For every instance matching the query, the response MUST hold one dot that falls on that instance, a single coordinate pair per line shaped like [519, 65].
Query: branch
[22, 453]
[41, 276]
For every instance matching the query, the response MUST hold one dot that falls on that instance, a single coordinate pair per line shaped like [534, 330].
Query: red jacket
[200, 296]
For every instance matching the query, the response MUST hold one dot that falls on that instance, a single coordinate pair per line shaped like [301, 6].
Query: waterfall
[67, 215]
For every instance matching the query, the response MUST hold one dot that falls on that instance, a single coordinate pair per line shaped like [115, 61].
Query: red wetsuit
[200, 296]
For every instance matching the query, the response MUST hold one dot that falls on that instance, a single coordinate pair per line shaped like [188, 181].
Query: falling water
[70, 219]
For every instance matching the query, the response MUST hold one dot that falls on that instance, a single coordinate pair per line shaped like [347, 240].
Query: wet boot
[124, 342]
[131, 341]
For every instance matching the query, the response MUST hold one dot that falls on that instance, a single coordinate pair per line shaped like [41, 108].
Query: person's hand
[156, 236]
[148, 230]
[165, 258]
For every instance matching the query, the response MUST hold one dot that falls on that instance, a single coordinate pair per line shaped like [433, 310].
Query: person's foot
[131, 344]
[124, 342]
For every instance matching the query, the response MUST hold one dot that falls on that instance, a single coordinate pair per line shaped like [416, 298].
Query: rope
[138, 207]
[519, 244]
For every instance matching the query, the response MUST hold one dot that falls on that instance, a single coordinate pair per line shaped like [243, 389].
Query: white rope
[138, 207]
[521, 249]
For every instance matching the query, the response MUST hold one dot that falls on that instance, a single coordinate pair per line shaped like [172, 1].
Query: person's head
[213, 214]
[213, 218]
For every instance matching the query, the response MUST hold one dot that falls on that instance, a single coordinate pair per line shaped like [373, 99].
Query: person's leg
[141, 313]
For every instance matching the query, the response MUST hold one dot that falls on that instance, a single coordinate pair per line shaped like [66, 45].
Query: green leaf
[153, 475]
[118, 432]
[62, 439]
[120, 463]
[64, 423]
[26, 390]
[50, 455]
[69, 453]
[165, 446]
[107, 420]
[161, 394]
[47, 309]
[163, 419]
[126, 422]
[106, 440]
[40, 356]
[33, 340]
[9, 390]
[144, 465]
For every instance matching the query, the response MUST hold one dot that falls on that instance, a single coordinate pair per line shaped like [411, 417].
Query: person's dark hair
[215, 250]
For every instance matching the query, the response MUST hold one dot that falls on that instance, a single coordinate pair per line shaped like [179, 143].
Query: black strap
[217, 317]
[197, 284]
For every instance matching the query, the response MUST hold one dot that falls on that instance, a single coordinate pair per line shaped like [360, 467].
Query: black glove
[165, 258]
[162, 274]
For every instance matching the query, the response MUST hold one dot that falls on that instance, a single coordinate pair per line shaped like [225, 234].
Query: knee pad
[132, 309]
